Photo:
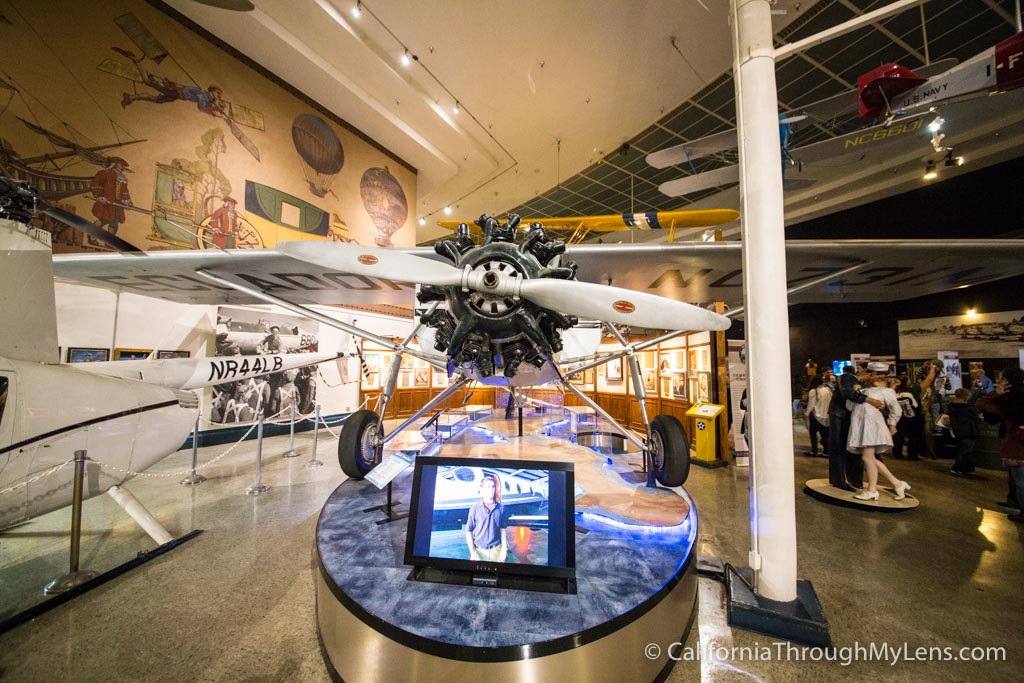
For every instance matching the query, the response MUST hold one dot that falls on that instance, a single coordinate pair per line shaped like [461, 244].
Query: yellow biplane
[581, 227]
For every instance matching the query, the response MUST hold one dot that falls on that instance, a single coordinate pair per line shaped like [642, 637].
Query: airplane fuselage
[998, 68]
[51, 411]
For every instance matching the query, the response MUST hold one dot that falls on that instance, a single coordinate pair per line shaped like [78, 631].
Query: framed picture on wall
[80, 355]
[588, 377]
[703, 386]
[649, 381]
[614, 370]
[172, 354]
[132, 354]
[421, 377]
[372, 361]
[679, 385]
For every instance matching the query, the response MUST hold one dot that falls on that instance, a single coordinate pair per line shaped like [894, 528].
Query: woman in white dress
[871, 433]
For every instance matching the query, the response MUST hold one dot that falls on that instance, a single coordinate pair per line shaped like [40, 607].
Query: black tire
[355, 447]
[670, 451]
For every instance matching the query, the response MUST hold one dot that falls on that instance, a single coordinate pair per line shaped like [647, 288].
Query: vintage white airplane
[127, 414]
[499, 309]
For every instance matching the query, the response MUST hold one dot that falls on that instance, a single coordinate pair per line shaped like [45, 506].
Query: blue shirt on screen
[486, 525]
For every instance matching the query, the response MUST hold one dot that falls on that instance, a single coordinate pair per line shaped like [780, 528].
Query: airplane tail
[878, 87]
[29, 328]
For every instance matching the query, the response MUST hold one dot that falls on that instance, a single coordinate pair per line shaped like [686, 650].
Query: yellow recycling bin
[707, 432]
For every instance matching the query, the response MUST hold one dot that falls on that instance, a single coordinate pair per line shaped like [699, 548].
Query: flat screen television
[838, 365]
[493, 522]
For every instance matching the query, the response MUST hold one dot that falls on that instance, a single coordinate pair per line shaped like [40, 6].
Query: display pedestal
[636, 584]
[826, 493]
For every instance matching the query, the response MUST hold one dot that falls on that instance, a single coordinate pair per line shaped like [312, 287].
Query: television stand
[453, 577]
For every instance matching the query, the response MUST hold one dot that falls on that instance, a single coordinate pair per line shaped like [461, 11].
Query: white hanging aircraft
[127, 414]
[894, 95]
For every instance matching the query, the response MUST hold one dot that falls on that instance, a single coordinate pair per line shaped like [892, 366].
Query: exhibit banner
[737, 361]
[951, 368]
[251, 331]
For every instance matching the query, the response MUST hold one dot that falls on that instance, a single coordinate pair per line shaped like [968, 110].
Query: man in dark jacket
[845, 469]
[963, 422]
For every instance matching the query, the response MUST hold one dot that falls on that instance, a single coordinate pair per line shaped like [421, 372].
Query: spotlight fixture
[952, 160]
[455, 109]
[358, 9]
[406, 59]
[447, 211]
[936, 124]
[423, 221]
[972, 312]
[929, 171]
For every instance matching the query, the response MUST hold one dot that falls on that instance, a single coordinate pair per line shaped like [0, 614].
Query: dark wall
[980, 204]
[827, 332]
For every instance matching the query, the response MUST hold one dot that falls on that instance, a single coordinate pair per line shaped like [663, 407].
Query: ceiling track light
[406, 58]
[455, 109]
[423, 221]
[358, 9]
[951, 160]
[447, 211]
[929, 171]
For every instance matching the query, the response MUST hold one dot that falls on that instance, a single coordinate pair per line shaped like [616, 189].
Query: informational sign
[951, 362]
[393, 465]
[737, 385]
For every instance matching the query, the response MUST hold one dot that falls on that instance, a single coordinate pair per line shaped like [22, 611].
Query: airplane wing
[702, 218]
[892, 269]
[703, 147]
[689, 271]
[172, 275]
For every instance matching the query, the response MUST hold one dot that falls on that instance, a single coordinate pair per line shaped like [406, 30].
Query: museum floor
[236, 603]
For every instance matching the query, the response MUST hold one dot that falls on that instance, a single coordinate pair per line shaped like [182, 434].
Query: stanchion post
[74, 577]
[194, 479]
[291, 452]
[258, 487]
[314, 463]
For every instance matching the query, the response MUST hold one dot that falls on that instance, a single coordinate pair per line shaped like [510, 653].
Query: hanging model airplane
[580, 227]
[891, 93]
[127, 414]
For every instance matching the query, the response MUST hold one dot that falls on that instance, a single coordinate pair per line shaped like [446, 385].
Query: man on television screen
[485, 526]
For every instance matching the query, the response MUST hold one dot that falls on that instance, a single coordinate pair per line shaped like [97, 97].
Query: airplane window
[3, 396]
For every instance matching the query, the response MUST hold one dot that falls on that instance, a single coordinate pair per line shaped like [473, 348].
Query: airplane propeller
[582, 299]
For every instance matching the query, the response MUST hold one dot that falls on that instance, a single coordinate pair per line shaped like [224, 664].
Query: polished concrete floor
[236, 603]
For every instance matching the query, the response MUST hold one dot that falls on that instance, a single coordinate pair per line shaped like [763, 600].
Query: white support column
[773, 515]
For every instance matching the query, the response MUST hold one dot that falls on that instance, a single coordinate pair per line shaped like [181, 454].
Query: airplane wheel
[355, 447]
[670, 451]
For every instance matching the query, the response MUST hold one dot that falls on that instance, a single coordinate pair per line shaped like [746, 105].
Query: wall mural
[984, 335]
[118, 112]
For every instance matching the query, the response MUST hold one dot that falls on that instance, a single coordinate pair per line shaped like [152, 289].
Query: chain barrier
[45, 473]
[188, 470]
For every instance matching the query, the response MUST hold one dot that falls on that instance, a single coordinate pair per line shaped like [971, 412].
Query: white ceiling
[545, 87]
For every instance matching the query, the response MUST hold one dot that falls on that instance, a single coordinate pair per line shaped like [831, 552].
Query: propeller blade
[388, 264]
[619, 306]
[93, 230]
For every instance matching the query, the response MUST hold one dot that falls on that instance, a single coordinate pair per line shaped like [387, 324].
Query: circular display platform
[825, 492]
[636, 585]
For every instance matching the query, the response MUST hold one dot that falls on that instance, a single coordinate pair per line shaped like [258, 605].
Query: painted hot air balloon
[320, 150]
[385, 201]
